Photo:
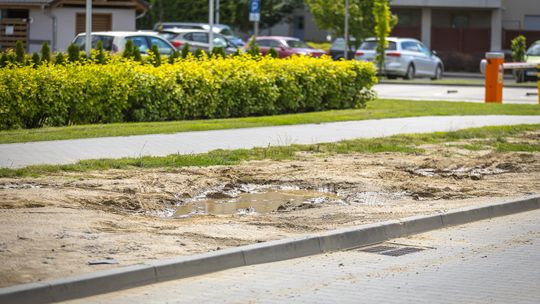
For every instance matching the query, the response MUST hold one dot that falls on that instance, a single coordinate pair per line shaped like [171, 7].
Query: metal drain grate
[401, 251]
[378, 249]
[393, 249]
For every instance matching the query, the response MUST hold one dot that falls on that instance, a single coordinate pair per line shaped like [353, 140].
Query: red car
[286, 46]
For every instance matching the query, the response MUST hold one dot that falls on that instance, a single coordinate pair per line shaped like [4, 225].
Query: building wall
[41, 27]
[514, 12]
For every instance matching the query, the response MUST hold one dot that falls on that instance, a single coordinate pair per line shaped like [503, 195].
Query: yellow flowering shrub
[124, 91]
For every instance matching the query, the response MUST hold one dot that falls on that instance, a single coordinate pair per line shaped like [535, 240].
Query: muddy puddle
[251, 199]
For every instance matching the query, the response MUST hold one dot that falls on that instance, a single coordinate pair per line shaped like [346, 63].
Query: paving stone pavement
[490, 261]
[453, 93]
[70, 151]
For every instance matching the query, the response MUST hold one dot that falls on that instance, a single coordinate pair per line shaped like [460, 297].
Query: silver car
[116, 41]
[197, 39]
[404, 57]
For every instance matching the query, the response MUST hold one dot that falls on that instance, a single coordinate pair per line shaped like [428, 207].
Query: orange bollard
[494, 77]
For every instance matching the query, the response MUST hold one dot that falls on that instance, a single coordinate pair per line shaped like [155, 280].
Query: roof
[277, 37]
[122, 34]
[140, 5]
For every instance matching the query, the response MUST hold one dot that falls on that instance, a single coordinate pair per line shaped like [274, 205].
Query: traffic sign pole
[255, 15]
[211, 22]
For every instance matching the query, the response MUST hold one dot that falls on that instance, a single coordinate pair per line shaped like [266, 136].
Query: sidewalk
[491, 261]
[70, 151]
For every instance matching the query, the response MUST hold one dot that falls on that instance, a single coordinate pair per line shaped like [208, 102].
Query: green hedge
[124, 91]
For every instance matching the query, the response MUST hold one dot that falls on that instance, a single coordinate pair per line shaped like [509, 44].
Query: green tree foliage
[35, 59]
[272, 53]
[74, 53]
[232, 12]
[519, 48]
[381, 12]
[4, 60]
[330, 15]
[60, 59]
[155, 57]
[199, 53]
[45, 52]
[174, 56]
[137, 54]
[128, 49]
[100, 55]
[218, 52]
[253, 49]
[20, 53]
[185, 51]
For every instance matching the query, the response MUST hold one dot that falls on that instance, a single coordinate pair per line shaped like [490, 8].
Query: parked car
[116, 41]
[197, 39]
[404, 57]
[532, 56]
[221, 29]
[286, 46]
[337, 50]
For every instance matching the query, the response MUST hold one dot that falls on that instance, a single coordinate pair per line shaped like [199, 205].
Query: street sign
[255, 10]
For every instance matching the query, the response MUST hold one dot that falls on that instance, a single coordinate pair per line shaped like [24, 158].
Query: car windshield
[370, 45]
[107, 42]
[534, 50]
[296, 44]
[226, 32]
[168, 35]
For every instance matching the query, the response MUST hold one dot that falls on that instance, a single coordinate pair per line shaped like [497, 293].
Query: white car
[404, 57]
[116, 41]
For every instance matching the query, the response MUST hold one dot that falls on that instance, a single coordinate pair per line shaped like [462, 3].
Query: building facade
[57, 22]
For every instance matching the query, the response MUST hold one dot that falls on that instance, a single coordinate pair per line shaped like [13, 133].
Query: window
[100, 23]
[410, 46]
[532, 22]
[296, 44]
[164, 47]
[107, 42]
[199, 37]
[263, 43]
[220, 42]
[372, 44]
[275, 44]
[140, 42]
[460, 21]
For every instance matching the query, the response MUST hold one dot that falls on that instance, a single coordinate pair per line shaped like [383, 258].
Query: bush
[125, 90]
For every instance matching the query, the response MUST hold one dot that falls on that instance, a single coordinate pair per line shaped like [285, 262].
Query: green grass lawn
[375, 110]
[494, 138]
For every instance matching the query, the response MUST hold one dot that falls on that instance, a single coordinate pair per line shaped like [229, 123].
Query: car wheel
[438, 73]
[409, 75]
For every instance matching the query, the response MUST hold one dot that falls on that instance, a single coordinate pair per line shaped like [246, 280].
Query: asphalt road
[70, 151]
[453, 93]
[491, 261]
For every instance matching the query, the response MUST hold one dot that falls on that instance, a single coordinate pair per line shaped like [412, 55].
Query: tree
[155, 56]
[35, 60]
[74, 53]
[100, 56]
[45, 52]
[20, 53]
[232, 12]
[330, 15]
[381, 12]
[519, 48]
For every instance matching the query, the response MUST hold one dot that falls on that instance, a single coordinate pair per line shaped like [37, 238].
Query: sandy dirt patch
[53, 226]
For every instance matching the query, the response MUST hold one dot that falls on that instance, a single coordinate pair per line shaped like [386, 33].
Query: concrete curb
[182, 267]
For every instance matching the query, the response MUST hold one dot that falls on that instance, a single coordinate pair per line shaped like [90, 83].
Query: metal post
[217, 11]
[211, 22]
[256, 29]
[346, 51]
[88, 45]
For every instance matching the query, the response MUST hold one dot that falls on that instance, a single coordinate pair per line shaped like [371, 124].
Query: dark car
[286, 46]
[337, 50]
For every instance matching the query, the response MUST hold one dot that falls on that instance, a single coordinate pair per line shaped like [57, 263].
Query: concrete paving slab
[70, 151]
[511, 95]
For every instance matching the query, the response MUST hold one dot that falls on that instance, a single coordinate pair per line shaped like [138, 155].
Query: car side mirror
[433, 52]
